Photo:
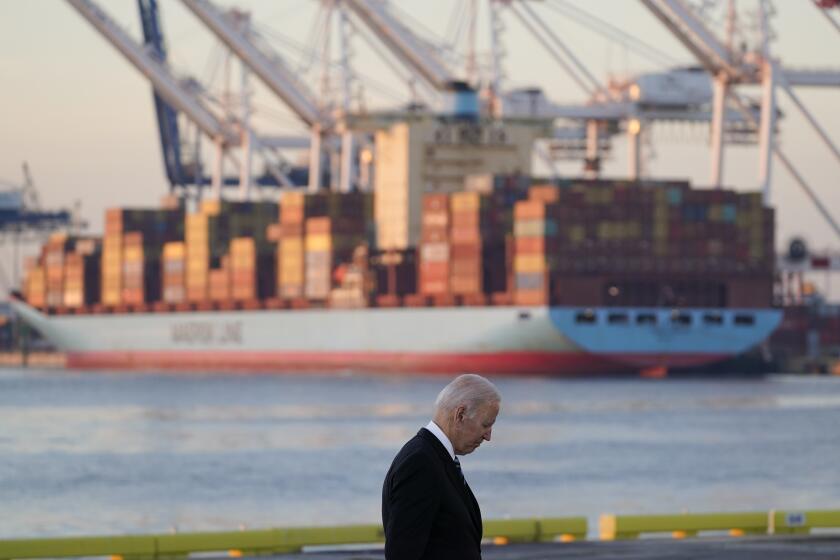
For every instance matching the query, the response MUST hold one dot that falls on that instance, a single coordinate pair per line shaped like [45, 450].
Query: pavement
[743, 548]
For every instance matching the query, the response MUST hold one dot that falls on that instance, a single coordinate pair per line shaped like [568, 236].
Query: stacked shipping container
[434, 266]
[479, 229]
[570, 243]
[173, 273]
[81, 274]
[535, 250]
[394, 276]
[141, 281]
[353, 283]
[252, 267]
[56, 248]
[209, 234]
[331, 241]
[65, 274]
[34, 284]
[155, 228]
[295, 208]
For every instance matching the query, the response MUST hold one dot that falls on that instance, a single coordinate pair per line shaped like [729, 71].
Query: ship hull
[509, 363]
[509, 340]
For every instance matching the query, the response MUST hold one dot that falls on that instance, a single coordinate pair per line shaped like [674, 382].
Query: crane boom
[268, 66]
[812, 77]
[167, 117]
[409, 48]
[161, 77]
[696, 37]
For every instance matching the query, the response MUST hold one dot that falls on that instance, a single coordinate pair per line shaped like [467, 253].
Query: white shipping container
[434, 252]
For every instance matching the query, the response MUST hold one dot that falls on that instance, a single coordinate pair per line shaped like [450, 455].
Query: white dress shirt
[435, 429]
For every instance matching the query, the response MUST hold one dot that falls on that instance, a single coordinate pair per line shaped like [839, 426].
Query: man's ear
[460, 413]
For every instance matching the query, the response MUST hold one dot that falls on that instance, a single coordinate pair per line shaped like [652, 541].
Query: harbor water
[119, 453]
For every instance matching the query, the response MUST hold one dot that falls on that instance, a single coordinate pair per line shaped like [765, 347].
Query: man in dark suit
[428, 509]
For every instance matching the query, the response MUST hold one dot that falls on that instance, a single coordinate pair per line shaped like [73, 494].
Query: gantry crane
[604, 114]
[22, 218]
[275, 73]
[185, 98]
[178, 172]
[407, 46]
[730, 68]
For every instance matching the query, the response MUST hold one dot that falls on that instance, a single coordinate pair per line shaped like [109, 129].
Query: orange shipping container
[533, 210]
[544, 193]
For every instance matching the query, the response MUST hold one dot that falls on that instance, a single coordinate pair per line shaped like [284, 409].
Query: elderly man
[428, 509]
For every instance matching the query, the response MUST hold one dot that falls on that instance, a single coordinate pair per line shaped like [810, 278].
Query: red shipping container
[435, 201]
[535, 245]
[466, 267]
[464, 251]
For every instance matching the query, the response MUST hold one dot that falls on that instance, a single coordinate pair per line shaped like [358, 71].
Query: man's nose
[487, 434]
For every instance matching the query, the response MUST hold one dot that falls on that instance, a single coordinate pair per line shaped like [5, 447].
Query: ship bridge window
[585, 317]
[744, 320]
[713, 318]
[646, 319]
[680, 318]
[617, 318]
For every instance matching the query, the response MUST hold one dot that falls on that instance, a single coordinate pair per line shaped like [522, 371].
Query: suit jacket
[427, 511]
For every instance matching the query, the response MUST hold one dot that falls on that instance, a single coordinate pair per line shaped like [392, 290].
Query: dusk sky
[82, 116]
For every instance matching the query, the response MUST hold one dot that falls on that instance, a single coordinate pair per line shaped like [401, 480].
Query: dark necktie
[460, 472]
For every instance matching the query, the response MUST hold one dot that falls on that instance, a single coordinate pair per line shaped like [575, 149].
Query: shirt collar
[435, 429]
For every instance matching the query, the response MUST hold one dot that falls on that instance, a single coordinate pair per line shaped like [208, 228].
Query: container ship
[458, 259]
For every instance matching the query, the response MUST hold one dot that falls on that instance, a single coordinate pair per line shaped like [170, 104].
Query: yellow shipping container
[197, 267]
[318, 242]
[465, 201]
[211, 207]
[174, 250]
[530, 263]
[289, 277]
[131, 254]
[111, 259]
[111, 296]
[291, 248]
[243, 245]
[292, 199]
[292, 258]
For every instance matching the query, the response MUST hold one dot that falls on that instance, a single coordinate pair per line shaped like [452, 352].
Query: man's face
[472, 430]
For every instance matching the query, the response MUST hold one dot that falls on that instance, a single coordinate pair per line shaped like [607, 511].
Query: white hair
[470, 390]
